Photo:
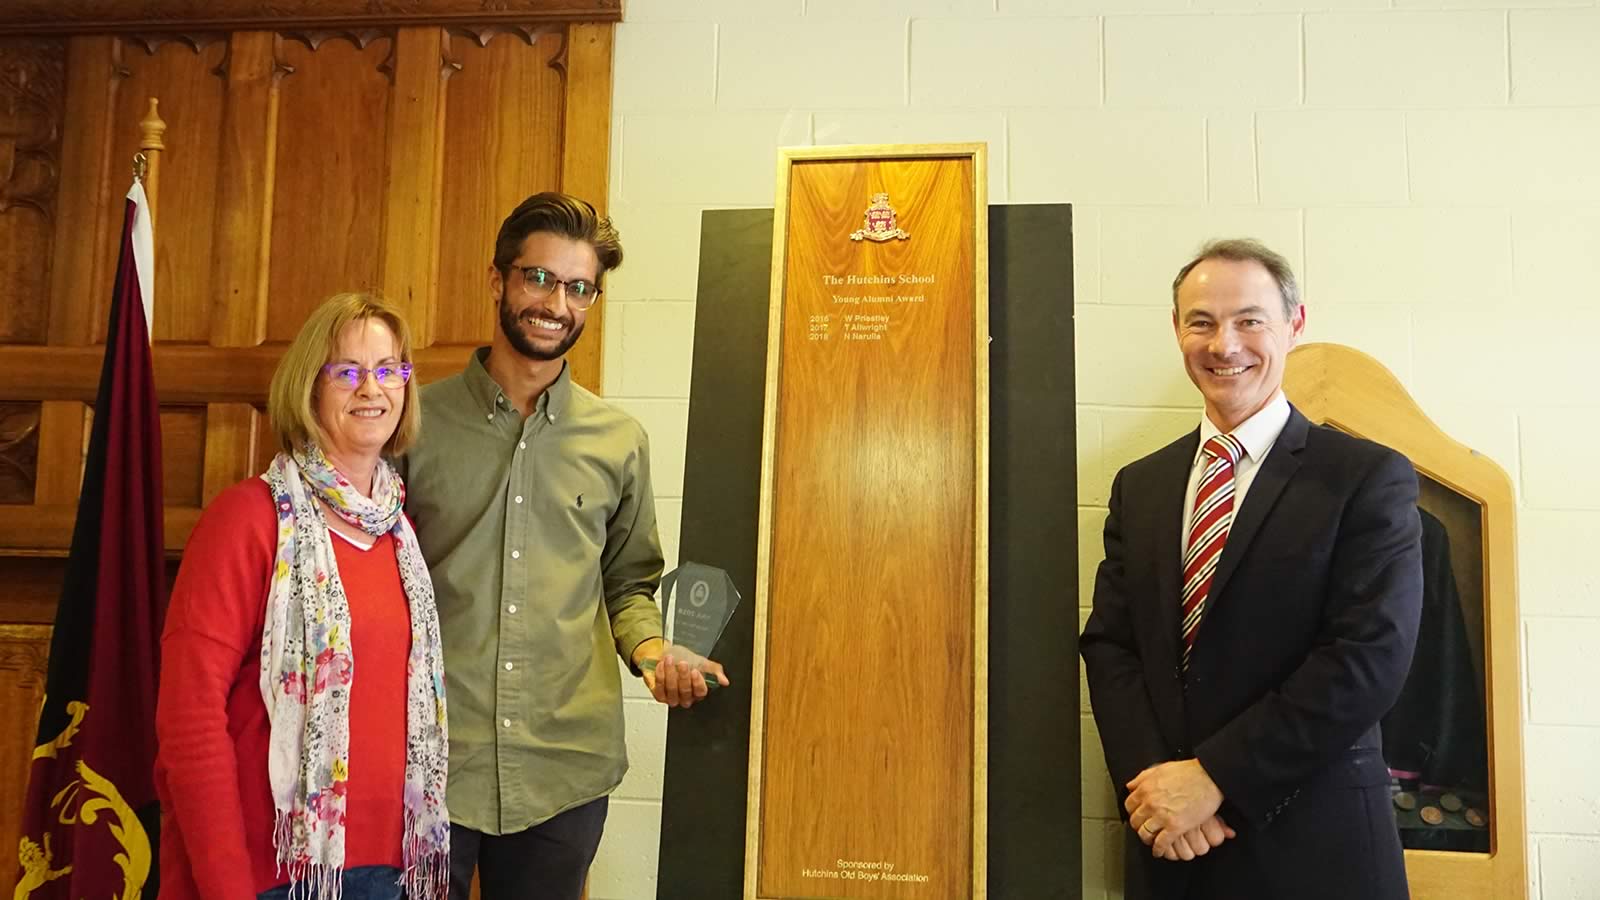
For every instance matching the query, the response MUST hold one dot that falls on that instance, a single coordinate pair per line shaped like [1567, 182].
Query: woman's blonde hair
[299, 375]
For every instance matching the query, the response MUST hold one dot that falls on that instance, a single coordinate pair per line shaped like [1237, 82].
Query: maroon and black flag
[89, 826]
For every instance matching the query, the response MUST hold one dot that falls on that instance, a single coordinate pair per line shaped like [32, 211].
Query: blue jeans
[360, 883]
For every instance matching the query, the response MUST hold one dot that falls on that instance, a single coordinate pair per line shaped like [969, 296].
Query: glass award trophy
[699, 599]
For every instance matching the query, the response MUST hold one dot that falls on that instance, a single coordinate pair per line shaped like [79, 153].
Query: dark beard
[511, 327]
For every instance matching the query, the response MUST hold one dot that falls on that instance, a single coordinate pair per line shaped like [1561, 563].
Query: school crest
[880, 223]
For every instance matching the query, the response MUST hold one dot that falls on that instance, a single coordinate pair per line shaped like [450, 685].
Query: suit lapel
[1281, 464]
[1172, 481]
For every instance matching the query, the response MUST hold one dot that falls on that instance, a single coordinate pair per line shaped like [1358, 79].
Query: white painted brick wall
[1505, 156]
[1569, 867]
[1389, 59]
[1136, 156]
[1429, 166]
[1231, 158]
[1331, 157]
[771, 65]
[1132, 236]
[1043, 62]
[1554, 255]
[666, 63]
[1408, 256]
[1554, 59]
[1143, 53]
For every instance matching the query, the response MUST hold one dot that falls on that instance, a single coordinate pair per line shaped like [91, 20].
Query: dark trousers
[549, 861]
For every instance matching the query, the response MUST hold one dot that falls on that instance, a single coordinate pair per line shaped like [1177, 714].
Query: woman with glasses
[301, 715]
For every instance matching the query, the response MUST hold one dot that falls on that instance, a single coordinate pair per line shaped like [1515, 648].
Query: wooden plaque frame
[1343, 387]
[884, 163]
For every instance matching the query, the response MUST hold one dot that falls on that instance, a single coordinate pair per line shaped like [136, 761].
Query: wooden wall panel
[415, 172]
[63, 439]
[80, 282]
[32, 100]
[502, 143]
[233, 431]
[188, 75]
[183, 447]
[183, 440]
[19, 451]
[585, 159]
[327, 204]
[264, 445]
[52, 16]
[244, 189]
[311, 156]
[24, 659]
[29, 592]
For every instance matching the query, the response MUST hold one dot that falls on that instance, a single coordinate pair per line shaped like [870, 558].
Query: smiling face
[544, 327]
[357, 422]
[1234, 335]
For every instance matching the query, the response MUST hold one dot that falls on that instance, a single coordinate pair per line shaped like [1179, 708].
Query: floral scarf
[307, 664]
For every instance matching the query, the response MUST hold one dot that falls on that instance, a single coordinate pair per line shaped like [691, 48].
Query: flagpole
[92, 816]
[146, 173]
[147, 162]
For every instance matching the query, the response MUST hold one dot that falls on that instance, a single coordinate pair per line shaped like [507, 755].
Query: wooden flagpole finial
[151, 130]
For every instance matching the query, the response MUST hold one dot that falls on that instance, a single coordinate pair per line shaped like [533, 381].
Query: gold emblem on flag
[82, 802]
[880, 222]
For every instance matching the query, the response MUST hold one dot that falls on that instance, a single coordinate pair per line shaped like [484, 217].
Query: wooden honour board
[868, 751]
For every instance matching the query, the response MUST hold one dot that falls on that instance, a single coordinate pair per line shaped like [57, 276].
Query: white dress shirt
[1257, 433]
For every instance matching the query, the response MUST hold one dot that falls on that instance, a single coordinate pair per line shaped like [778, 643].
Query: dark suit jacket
[1306, 640]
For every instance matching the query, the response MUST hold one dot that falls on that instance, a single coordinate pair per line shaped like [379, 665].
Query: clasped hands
[1172, 806]
[678, 676]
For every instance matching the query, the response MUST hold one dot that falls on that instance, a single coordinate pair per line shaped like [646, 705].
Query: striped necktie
[1208, 532]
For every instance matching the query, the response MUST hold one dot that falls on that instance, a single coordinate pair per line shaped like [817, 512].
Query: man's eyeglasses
[349, 376]
[539, 282]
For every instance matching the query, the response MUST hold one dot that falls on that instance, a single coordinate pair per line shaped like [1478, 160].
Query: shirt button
[519, 498]
[512, 609]
[508, 667]
[490, 417]
[516, 554]
[506, 722]
[521, 445]
[552, 417]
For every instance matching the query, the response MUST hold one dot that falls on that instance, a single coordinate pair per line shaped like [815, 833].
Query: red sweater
[211, 723]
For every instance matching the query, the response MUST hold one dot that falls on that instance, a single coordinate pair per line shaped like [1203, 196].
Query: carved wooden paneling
[186, 74]
[19, 451]
[231, 447]
[51, 16]
[80, 281]
[411, 205]
[63, 433]
[312, 146]
[301, 160]
[502, 143]
[183, 450]
[265, 444]
[245, 189]
[32, 105]
[29, 590]
[183, 439]
[328, 197]
[585, 155]
[24, 659]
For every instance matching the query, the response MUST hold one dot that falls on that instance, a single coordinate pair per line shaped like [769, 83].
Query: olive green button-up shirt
[540, 533]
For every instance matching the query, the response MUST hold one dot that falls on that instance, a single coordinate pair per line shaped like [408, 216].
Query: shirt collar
[1257, 433]
[491, 399]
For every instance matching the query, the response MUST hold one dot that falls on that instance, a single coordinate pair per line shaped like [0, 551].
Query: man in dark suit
[1253, 620]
